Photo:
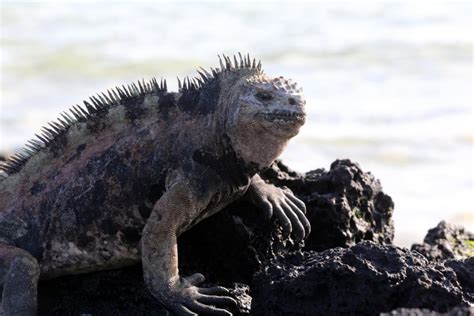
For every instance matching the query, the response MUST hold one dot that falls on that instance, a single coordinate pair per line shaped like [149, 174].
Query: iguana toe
[205, 309]
[223, 301]
[188, 299]
[300, 213]
[298, 230]
[282, 217]
[300, 204]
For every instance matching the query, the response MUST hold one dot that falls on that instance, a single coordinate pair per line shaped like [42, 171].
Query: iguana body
[119, 182]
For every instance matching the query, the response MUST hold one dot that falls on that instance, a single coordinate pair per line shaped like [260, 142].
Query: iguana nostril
[292, 101]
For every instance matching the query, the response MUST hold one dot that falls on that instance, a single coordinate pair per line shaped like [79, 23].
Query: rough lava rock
[365, 279]
[446, 241]
[464, 270]
[454, 246]
[345, 204]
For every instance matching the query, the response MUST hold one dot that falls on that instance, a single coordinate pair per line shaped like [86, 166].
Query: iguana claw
[188, 299]
[283, 205]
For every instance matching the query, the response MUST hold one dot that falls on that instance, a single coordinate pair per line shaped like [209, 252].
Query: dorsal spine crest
[101, 103]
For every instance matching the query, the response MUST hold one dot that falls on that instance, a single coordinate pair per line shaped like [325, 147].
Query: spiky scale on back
[125, 95]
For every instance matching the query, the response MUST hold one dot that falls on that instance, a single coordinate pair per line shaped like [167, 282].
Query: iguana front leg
[281, 203]
[172, 213]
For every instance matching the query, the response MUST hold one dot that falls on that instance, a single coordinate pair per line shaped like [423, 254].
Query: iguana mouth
[282, 115]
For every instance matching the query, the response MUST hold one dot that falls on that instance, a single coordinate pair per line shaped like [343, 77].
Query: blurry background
[388, 83]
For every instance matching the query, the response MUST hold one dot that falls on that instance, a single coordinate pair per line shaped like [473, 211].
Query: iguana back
[88, 189]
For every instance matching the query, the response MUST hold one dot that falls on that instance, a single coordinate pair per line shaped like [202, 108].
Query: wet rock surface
[237, 247]
[446, 241]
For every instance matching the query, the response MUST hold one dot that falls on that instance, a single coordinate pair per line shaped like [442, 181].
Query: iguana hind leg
[19, 274]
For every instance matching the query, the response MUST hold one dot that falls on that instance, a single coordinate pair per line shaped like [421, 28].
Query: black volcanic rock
[365, 279]
[345, 204]
[446, 241]
[464, 270]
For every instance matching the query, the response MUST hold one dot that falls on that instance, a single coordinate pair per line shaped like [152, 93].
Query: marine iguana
[118, 180]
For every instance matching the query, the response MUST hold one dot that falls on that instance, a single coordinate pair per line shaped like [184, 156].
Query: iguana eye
[263, 96]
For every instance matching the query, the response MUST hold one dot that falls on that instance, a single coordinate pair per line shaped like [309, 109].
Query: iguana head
[265, 113]
[273, 106]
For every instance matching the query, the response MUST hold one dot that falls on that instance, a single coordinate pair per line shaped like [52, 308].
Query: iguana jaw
[283, 116]
[261, 137]
[282, 123]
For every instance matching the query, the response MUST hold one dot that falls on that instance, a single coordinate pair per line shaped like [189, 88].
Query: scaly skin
[120, 182]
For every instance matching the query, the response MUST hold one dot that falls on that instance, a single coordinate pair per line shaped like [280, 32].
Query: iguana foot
[185, 298]
[284, 206]
[290, 212]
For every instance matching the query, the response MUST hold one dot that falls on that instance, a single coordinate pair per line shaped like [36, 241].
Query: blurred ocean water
[388, 83]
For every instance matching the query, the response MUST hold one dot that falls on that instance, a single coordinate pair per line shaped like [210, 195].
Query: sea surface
[388, 83]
